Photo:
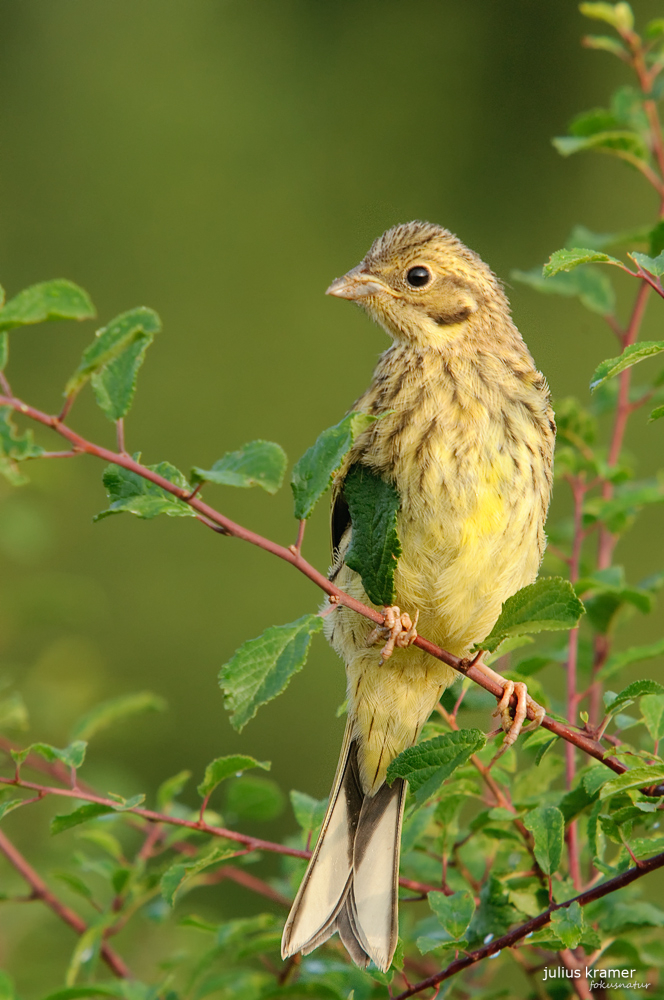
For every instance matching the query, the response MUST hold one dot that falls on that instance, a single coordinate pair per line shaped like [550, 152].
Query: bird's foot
[398, 629]
[513, 726]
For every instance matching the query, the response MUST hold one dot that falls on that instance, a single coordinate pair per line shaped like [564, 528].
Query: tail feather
[351, 883]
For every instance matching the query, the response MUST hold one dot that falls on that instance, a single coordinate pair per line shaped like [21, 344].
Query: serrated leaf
[375, 548]
[132, 494]
[622, 915]
[630, 356]
[176, 877]
[427, 765]
[170, 789]
[454, 912]
[567, 924]
[547, 826]
[108, 712]
[633, 691]
[652, 710]
[226, 767]
[262, 668]
[114, 385]
[259, 463]
[91, 810]
[546, 605]
[618, 15]
[656, 414]
[309, 812]
[636, 777]
[49, 300]
[313, 473]
[110, 341]
[567, 260]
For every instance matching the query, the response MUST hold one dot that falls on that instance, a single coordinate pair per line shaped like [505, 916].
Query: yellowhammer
[466, 437]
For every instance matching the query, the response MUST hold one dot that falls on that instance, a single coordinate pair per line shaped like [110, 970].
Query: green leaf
[623, 143]
[108, 712]
[652, 710]
[72, 755]
[427, 765]
[629, 656]
[454, 912]
[547, 826]
[114, 385]
[170, 789]
[618, 15]
[50, 300]
[74, 883]
[566, 260]
[262, 668]
[259, 463]
[375, 547]
[620, 916]
[91, 810]
[592, 287]
[634, 690]
[654, 265]
[546, 605]
[656, 414]
[225, 767]
[15, 447]
[313, 473]
[254, 798]
[176, 877]
[90, 990]
[121, 804]
[636, 777]
[109, 343]
[630, 356]
[9, 805]
[309, 812]
[567, 923]
[606, 44]
[131, 493]
[7, 991]
[4, 351]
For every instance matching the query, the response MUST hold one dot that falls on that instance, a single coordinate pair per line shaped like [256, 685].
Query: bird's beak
[358, 284]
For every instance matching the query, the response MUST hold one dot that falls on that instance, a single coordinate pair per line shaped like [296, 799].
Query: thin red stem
[41, 891]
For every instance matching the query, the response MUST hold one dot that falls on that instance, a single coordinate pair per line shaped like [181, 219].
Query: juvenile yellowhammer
[466, 437]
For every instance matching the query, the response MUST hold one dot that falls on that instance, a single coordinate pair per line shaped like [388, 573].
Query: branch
[253, 843]
[41, 891]
[509, 939]
[219, 522]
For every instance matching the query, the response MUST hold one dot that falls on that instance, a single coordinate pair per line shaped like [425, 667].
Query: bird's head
[422, 285]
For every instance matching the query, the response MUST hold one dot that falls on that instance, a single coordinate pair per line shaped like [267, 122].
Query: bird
[465, 436]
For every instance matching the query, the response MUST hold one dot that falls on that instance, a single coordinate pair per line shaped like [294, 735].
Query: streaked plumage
[466, 437]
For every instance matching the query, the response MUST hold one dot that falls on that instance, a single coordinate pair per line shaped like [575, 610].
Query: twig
[219, 522]
[41, 891]
[511, 938]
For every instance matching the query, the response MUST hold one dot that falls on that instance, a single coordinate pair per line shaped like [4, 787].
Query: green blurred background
[222, 161]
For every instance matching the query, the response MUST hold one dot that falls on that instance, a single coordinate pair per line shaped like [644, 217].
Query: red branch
[41, 891]
[214, 519]
[511, 938]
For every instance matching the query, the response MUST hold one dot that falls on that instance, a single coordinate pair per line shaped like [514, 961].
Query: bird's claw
[514, 726]
[399, 630]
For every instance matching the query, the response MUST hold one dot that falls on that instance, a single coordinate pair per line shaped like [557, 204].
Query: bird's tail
[351, 883]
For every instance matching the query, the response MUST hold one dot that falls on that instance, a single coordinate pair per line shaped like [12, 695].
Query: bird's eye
[418, 277]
